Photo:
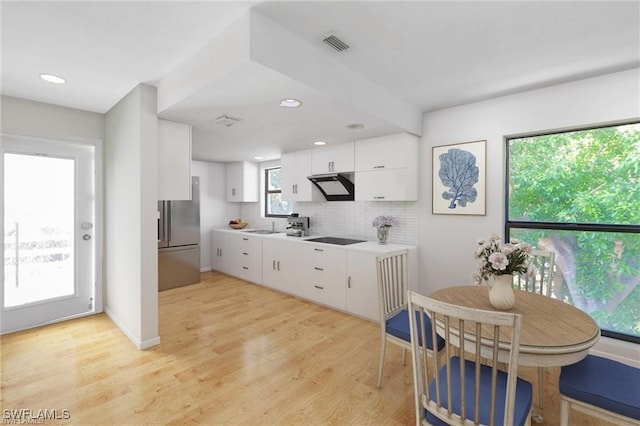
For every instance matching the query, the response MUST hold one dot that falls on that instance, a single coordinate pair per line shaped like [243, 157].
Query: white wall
[215, 212]
[29, 118]
[131, 204]
[447, 242]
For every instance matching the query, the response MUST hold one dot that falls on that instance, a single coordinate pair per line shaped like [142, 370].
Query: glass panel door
[49, 251]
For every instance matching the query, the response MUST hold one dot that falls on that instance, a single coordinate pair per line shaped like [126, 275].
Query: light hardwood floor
[231, 353]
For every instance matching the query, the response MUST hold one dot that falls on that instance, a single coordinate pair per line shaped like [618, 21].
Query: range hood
[334, 186]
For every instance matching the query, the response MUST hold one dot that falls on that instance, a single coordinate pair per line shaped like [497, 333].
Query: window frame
[268, 192]
[565, 226]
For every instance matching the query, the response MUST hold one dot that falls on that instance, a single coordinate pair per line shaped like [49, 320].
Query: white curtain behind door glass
[38, 228]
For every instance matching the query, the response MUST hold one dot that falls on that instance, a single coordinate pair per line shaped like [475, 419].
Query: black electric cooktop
[335, 240]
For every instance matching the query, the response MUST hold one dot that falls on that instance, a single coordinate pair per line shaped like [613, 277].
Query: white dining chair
[393, 284]
[540, 283]
[464, 390]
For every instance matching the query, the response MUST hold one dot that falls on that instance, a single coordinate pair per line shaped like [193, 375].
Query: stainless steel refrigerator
[179, 240]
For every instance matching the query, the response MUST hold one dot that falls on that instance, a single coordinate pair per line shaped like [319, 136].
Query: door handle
[318, 269]
[278, 265]
[273, 265]
[349, 282]
[319, 287]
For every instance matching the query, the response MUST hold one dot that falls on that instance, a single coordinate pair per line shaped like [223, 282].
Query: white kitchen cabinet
[220, 253]
[387, 168]
[245, 252]
[296, 166]
[386, 185]
[386, 152]
[242, 182]
[362, 285]
[174, 160]
[333, 159]
[323, 270]
[280, 266]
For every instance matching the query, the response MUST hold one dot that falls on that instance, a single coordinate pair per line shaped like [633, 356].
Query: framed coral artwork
[459, 178]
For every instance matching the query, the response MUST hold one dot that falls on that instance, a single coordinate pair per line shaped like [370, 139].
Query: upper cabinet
[174, 160]
[387, 168]
[386, 152]
[242, 182]
[333, 159]
[296, 166]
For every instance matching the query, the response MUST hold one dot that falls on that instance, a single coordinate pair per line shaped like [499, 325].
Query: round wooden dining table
[553, 333]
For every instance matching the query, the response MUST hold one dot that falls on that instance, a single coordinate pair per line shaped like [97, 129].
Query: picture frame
[452, 194]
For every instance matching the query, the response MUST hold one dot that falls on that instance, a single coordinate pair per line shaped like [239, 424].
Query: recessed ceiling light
[53, 78]
[258, 157]
[355, 126]
[319, 143]
[290, 103]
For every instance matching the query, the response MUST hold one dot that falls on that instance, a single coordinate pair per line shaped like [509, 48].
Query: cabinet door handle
[318, 269]
[319, 287]
[378, 197]
[233, 192]
[378, 167]
[273, 265]
[349, 282]
[278, 265]
[318, 249]
[244, 267]
[245, 253]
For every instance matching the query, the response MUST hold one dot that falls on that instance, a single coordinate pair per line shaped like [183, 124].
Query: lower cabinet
[362, 285]
[334, 276]
[279, 266]
[324, 274]
[220, 254]
[246, 257]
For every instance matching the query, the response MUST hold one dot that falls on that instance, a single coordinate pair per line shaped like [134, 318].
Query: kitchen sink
[261, 231]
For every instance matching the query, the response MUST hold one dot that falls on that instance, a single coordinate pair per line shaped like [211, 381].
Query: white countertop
[368, 246]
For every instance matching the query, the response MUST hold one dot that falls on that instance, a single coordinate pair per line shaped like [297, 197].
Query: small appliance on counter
[298, 225]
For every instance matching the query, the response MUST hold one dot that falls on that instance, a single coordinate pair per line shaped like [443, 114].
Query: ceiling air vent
[335, 43]
[226, 120]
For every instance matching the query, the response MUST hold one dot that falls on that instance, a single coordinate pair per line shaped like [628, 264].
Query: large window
[577, 193]
[274, 206]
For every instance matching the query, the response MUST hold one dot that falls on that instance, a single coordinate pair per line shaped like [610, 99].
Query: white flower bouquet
[384, 222]
[496, 257]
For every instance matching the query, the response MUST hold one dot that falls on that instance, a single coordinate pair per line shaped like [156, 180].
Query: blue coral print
[459, 172]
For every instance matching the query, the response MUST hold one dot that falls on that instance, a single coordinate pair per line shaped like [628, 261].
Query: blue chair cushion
[398, 326]
[603, 383]
[524, 394]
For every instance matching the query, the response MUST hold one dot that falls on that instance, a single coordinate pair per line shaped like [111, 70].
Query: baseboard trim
[140, 344]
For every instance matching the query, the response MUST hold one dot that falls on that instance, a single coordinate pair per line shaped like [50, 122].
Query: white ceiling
[418, 55]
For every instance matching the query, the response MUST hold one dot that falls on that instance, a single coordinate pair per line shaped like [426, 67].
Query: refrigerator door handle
[167, 221]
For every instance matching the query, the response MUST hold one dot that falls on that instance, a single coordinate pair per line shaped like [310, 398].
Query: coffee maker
[298, 225]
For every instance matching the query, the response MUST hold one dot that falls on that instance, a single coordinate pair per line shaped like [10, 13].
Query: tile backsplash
[351, 219]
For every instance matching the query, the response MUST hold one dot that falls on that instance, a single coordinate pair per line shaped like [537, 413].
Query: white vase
[383, 234]
[501, 293]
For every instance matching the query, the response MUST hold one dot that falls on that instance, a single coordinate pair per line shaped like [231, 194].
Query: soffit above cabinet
[241, 74]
